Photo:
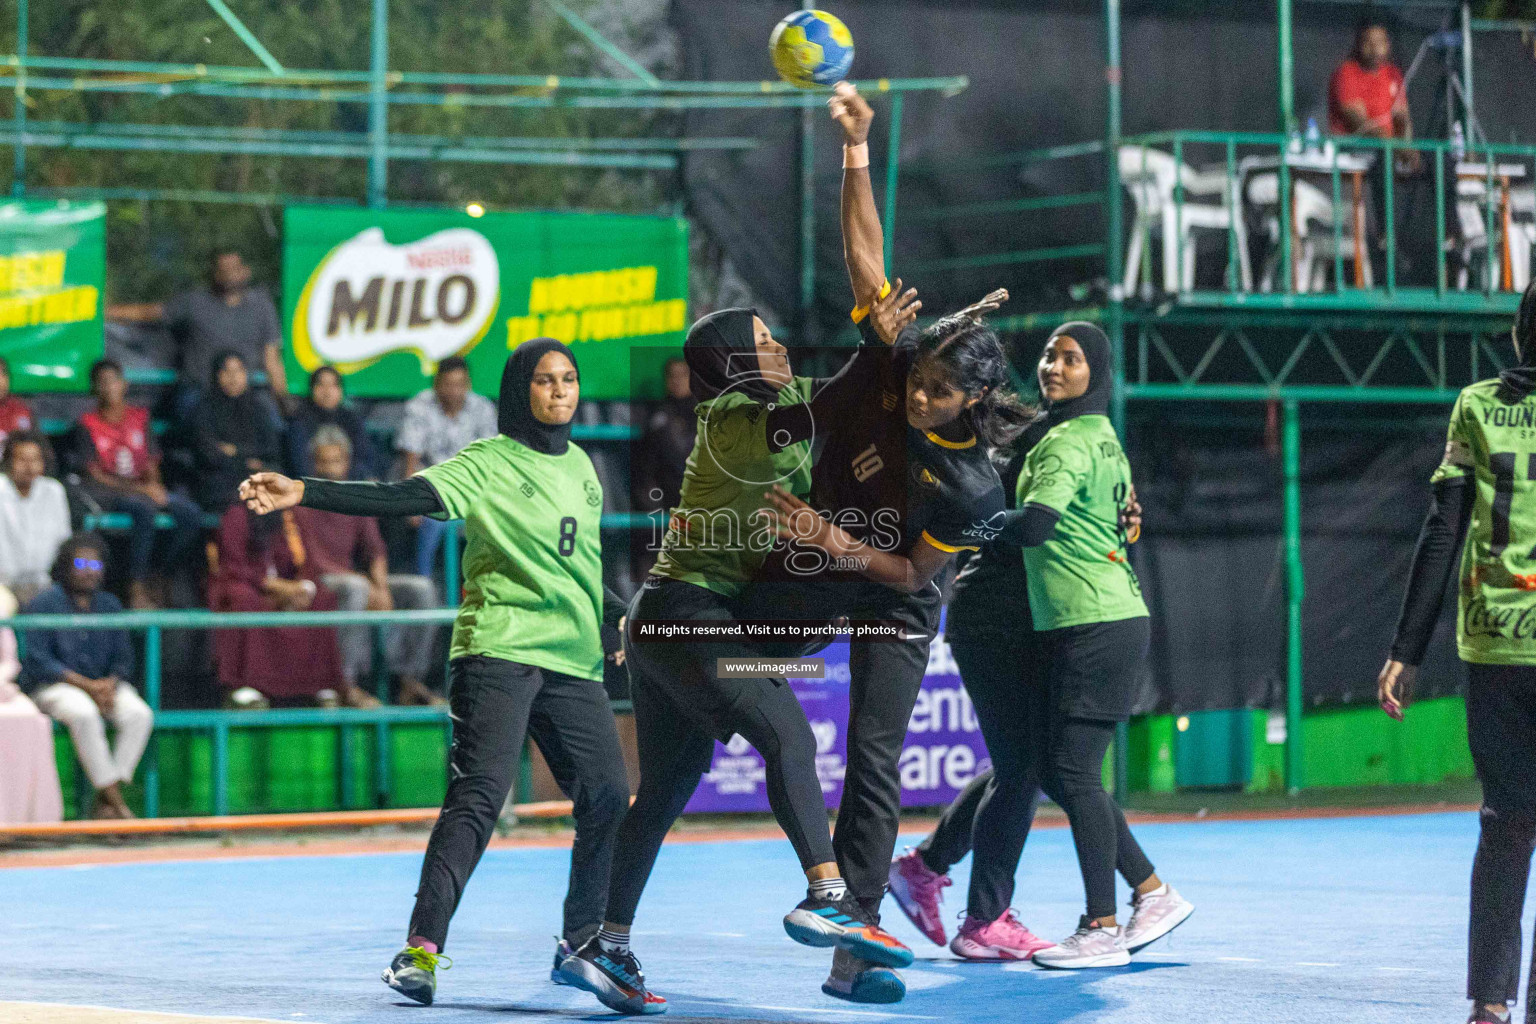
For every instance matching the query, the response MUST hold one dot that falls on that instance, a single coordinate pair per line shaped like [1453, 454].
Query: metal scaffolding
[383, 89]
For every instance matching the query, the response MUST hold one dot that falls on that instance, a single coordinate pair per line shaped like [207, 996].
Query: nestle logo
[432, 258]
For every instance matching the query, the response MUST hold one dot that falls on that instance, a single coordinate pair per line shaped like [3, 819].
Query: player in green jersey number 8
[1484, 506]
[527, 653]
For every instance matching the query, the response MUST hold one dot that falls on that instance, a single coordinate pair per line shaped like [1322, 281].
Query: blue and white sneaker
[843, 923]
[562, 950]
[860, 981]
[615, 978]
[413, 973]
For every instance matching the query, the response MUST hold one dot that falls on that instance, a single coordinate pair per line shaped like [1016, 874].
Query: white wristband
[309, 588]
[855, 157]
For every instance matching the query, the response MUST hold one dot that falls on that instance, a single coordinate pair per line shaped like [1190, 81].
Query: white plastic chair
[1149, 175]
[1312, 216]
[1471, 196]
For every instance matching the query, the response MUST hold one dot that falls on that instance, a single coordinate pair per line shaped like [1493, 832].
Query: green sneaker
[413, 973]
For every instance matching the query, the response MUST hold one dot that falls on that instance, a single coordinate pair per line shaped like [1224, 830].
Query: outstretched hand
[794, 520]
[270, 492]
[852, 111]
[989, 303]
[888, 316]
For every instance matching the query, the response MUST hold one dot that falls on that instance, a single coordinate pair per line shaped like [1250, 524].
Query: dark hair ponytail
[974, 357]
[1517, 382]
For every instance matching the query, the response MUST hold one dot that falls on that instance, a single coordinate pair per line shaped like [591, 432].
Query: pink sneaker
[1003, 939]
[919, 890]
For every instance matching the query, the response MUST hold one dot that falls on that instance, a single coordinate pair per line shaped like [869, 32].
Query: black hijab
[239, 421]
[721, 352]
[1519, 380]
[514, 408]
[1101, 384]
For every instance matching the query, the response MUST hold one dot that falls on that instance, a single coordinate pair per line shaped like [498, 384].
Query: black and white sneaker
[845, 924]
[615, 978]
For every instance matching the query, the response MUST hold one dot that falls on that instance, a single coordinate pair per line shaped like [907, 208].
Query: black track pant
[494, 703]
[1024, 709]
[1501, 726]
[884, 680]
[681, 708]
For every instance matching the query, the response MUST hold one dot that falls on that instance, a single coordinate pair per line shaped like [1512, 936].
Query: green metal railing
[218, 725]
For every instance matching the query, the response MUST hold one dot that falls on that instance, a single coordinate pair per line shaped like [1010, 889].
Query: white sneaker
[1089, 946]
[1155, 915]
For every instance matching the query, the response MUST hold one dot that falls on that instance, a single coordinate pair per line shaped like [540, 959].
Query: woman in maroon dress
[263, 566]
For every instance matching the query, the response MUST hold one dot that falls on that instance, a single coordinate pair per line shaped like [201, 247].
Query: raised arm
[863, 240]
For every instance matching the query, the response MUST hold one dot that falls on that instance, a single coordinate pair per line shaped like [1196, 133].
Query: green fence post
[525, 775]
[152, 693]
[221, 768]
[1295, 584]
[1441, 277]
[451, 579]
[1466, 70]
[892, 165]
[19, 112]
[378, 106]
[1114, 253]
[343, 766]
[382, 753]
[1287, 70]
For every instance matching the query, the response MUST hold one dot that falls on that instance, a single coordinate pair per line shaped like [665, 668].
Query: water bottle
[1314, 136]
[1458, 143]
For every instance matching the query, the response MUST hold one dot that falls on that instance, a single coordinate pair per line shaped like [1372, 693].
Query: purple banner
[943, 750]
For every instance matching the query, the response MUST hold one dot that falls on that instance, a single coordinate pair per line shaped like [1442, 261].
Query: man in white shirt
[438, 423]
[34, 515]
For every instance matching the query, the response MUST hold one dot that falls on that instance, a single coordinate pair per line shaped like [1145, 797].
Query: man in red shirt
[1366, 96]
[14, 414]
[119, 465]
[349, 554]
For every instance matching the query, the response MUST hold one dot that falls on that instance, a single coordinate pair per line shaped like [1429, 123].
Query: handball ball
[811, 48]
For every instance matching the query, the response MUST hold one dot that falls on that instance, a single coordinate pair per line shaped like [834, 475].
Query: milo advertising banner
[385, 295]
[943, 750]
[53, 262]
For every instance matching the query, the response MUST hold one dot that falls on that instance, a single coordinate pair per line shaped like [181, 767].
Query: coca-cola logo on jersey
[1499, 623]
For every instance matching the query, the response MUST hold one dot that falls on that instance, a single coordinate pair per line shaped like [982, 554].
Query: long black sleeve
[614, 607]
[791, 424]
[413, 497]
[1440, 541]
[1029, 526]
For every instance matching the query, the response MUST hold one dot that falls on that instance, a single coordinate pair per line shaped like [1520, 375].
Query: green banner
[53, 264]
[384, 295]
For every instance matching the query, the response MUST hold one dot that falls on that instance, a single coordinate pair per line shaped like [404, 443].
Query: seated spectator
[438, 423]
[232, 435]
[264, 566]
[34, 514]
[325, 406]
[349, 554]
[119, 466]
[14, 414]
[80, 677]
[29, 779]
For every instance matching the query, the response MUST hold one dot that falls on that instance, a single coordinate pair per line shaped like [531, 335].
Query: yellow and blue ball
[811, 48]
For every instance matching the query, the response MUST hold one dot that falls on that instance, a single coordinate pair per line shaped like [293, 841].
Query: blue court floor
[1343, 919]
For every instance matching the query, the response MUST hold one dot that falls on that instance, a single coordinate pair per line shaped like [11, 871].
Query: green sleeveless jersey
[719, 534]
[1494, 445]
[533, 566]
[1081, 574]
